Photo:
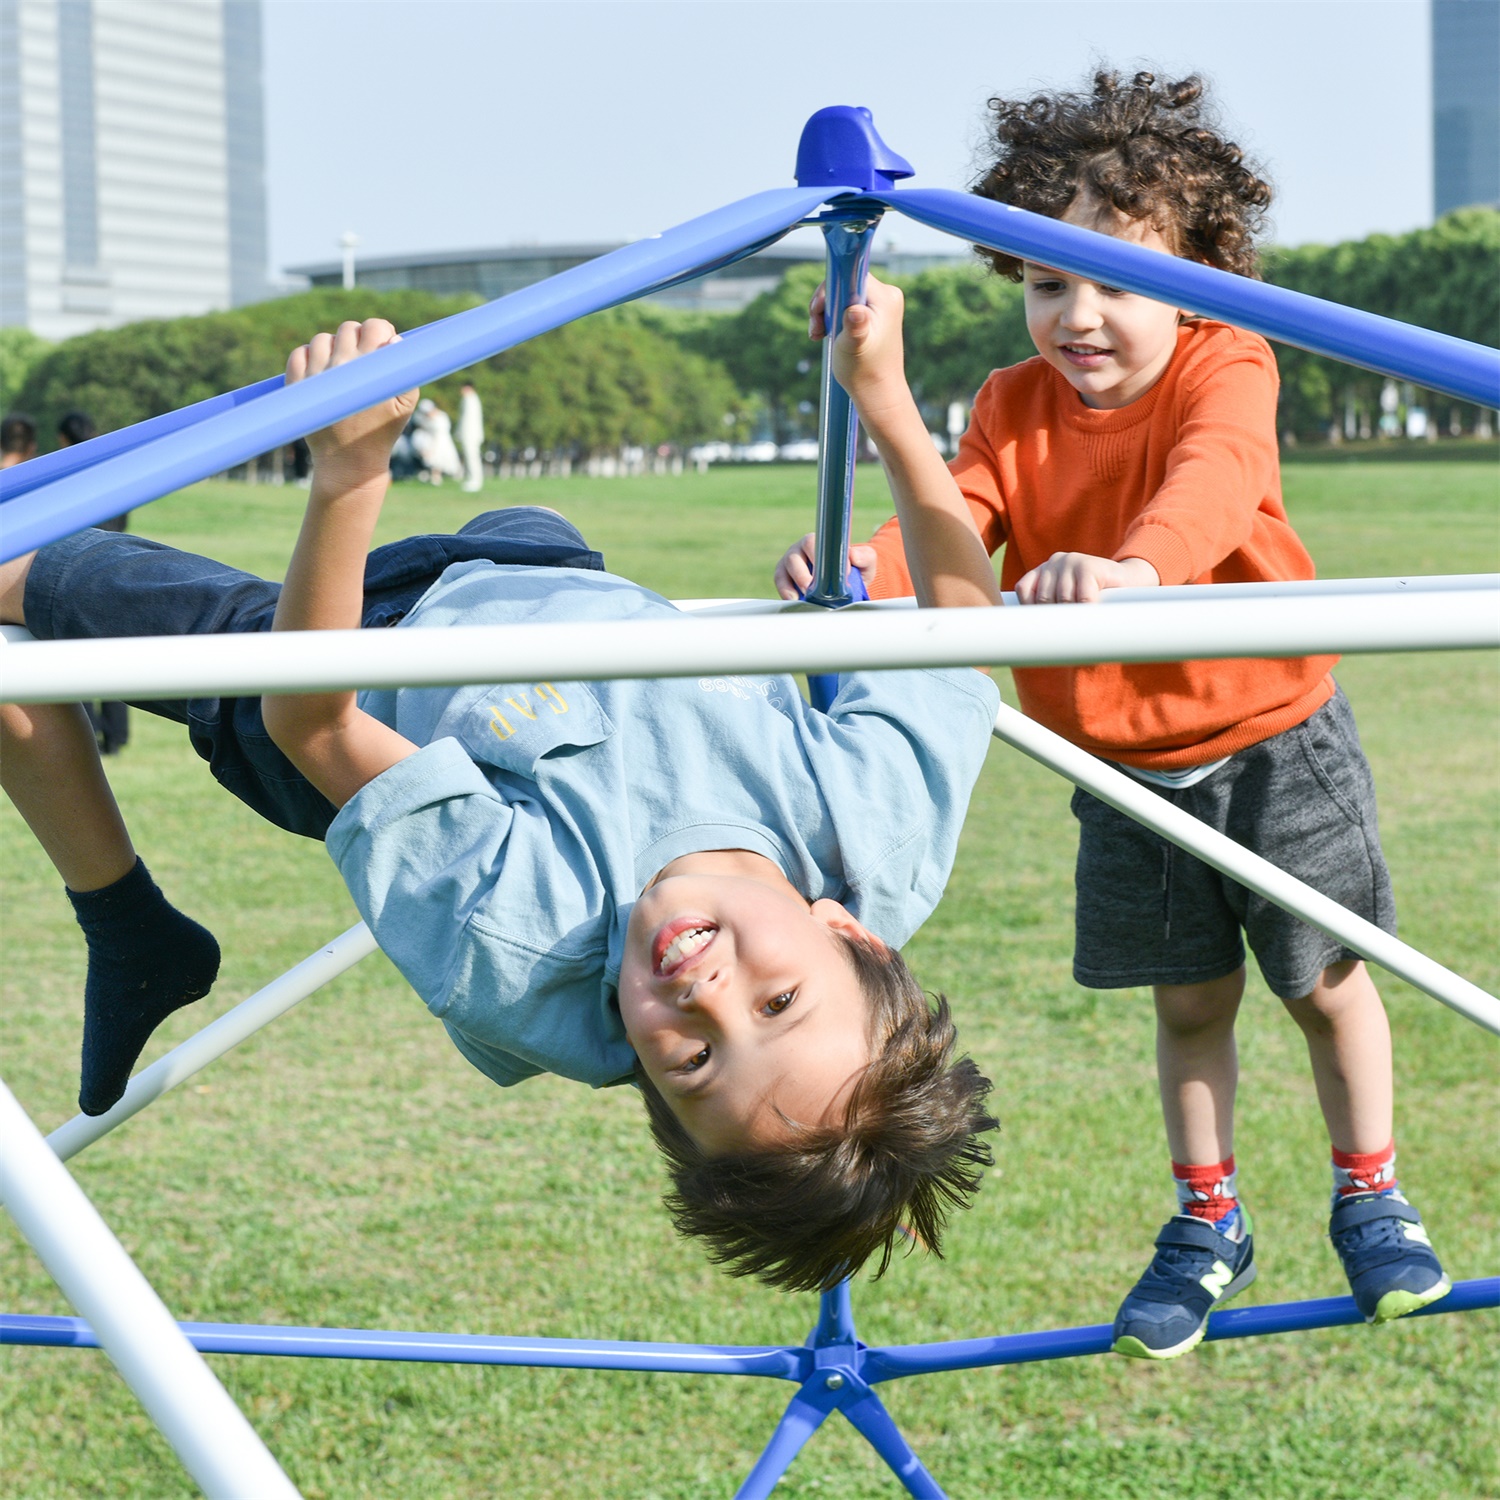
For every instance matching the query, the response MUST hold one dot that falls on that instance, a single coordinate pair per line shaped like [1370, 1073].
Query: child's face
[740, 1003]
[1110, 346]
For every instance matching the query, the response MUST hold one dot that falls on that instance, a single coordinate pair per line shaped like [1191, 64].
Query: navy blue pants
[103, 583]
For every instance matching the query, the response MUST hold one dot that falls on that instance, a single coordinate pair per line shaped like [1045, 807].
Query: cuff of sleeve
[892, 577]
[1162, 548]
[436, 771]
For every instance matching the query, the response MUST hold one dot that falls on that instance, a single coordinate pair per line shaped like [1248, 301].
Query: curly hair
[1144, 150]
[805, 1215]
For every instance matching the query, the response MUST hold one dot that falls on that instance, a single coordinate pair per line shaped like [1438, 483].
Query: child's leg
[1379, 1236]
[1197, 1065]
[146, 959]
[49, 767]
[1349, 1043]
[1204, 1253]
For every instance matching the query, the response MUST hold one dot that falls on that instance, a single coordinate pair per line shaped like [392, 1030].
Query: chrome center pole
[847, 242]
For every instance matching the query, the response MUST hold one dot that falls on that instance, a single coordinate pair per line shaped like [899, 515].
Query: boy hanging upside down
[699, 885]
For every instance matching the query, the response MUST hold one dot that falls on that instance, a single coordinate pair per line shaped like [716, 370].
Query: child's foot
[1387, 1256]
[146, 959]
[1196, 1269]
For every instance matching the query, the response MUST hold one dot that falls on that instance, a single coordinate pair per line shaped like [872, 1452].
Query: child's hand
[794, 573]
[1077, 578]
[868, 360]
[359, 446]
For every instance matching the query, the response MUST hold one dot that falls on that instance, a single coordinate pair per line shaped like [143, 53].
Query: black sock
[145, 960]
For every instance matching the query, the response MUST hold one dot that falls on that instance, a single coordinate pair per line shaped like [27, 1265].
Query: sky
[460, 124]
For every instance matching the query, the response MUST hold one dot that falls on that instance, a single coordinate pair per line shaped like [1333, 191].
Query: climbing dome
[846, 180]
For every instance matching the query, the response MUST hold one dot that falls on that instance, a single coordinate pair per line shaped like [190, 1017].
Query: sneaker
[1387, 1256]
[1195, 1270]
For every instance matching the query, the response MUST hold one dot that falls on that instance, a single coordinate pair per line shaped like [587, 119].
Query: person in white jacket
[470, 435]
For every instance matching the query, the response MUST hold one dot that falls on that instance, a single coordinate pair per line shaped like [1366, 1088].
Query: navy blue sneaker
[1387, 1256]
[1195, 1270]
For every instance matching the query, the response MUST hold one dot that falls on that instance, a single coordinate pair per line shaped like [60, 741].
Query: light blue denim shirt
[497, 866]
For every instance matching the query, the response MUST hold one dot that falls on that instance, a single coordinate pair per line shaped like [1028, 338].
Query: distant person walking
[111, 720]
[17, 440]
[470, 435]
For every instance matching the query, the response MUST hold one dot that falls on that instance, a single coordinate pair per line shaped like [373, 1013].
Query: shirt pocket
[514, 725]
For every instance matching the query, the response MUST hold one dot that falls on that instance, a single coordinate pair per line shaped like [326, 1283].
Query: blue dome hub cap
[840, 147]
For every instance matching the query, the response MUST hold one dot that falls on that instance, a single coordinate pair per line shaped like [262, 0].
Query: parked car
[800, 451]
[754, 453]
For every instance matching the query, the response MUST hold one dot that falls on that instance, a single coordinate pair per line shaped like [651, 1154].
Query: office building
[132, 171]
[1465, 103]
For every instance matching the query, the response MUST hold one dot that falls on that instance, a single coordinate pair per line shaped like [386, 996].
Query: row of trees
[591, 387]
[1446, 278]
[643, 376]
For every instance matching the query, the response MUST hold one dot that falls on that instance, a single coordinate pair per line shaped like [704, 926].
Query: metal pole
[1186, 593]
[805, 1413]
[1434, 360]
[839, 641]
[847, 243]
[1187, 832]
[217, 1446]
[785, 1362]
[140, 474]
[867, 1415]
[901, 1360]
[217, 1038]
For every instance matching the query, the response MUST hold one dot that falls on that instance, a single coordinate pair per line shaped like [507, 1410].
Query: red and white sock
[1206, 1193]
[1356, 1172]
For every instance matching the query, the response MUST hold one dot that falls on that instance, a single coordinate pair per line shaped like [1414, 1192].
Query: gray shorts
[1150, 913]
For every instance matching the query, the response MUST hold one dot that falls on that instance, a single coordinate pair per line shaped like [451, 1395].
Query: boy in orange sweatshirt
[1139, 448]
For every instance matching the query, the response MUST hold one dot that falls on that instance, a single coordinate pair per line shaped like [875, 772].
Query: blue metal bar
[835, 1319]
[866, 1413]
[1434, 360]
[23, 478]
[228, 437]
[794, 1362]
[805, 1413]
[440, 1348]
[901, 1360]
[847, 241]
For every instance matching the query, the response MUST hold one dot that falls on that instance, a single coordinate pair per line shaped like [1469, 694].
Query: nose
[1080, 310]
[705, 994]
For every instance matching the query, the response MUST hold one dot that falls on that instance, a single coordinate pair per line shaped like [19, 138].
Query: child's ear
[835, 915]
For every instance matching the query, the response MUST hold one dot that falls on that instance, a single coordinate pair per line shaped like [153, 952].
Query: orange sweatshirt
[1186, 478]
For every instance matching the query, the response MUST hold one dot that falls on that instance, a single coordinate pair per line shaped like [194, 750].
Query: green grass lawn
[346, 1167]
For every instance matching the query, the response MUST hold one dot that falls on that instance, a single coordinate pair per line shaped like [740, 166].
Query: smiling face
[739, 1000]
[1111, 346]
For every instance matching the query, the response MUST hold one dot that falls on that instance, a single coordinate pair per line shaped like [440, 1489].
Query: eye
[779, 1003]
[696, 1061]
[1113, 291]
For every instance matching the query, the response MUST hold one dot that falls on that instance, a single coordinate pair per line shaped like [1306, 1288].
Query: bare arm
[326, 736]
[950, 567]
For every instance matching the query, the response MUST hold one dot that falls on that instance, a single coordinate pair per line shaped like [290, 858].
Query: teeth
[685, 944]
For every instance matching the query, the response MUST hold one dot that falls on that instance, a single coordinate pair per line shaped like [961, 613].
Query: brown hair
[807, 1214]
[1146, 151]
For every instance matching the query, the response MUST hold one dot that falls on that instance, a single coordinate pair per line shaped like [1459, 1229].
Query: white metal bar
[844, 640]
[1187, 832]
[217, 1038]
[1188, 593]
[217, 1446]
